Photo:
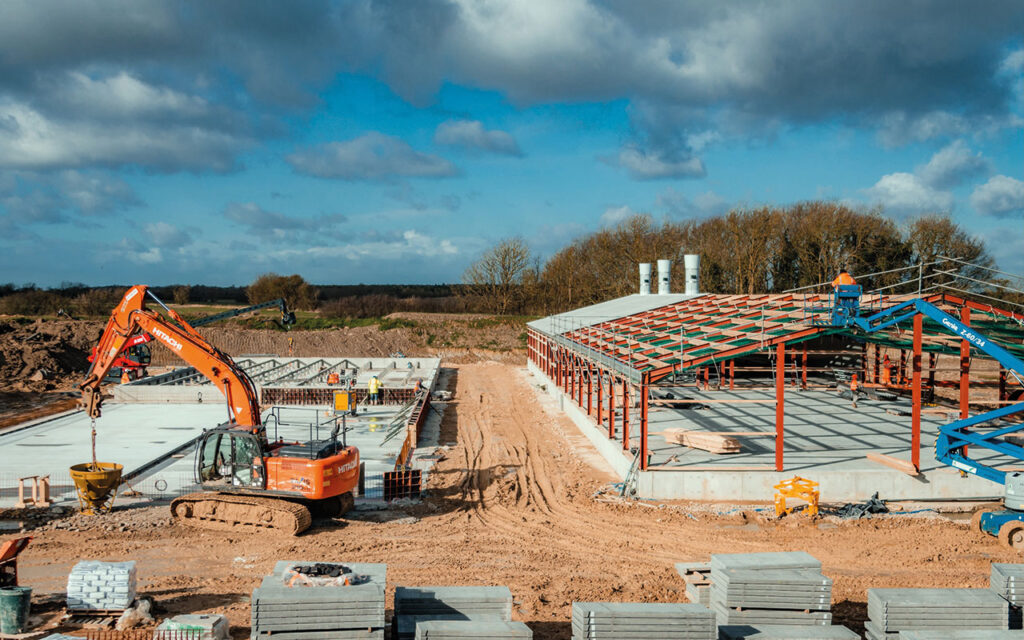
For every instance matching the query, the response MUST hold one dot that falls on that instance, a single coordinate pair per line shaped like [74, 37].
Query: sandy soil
[512, 504]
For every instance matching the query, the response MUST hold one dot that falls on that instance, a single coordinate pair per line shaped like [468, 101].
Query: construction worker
[886, 370]
[844, 278]
[373, 387]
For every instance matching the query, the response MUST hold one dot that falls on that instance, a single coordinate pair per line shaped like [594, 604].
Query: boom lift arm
[132, 317]
[953, 437]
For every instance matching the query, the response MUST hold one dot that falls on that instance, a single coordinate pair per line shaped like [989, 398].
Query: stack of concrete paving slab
[639, 620]
[697, 576]
[771, 588]
[472, 629]
[95, 586]
[786, 632]
[351, 606]
[414, 605]
[1008, 581]
[892, 611]
[205, 626]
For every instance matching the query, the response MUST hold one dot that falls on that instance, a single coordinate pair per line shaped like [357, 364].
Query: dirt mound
[44, 355]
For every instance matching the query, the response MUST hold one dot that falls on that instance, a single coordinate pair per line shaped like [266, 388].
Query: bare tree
[497, 278]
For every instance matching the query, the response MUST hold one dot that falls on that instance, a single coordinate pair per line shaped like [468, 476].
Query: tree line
[745, 251]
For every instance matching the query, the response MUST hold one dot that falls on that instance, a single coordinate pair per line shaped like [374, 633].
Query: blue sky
[392, 142]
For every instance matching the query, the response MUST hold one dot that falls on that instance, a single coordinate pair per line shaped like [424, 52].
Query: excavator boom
[131, 317]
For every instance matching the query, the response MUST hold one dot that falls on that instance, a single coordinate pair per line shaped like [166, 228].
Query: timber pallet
[92, 618]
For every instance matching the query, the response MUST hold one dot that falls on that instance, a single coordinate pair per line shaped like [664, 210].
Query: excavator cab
[231, 458]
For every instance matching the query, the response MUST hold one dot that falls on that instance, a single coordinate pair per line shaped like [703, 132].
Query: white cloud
[471, 134]
[1013, 63]
[703, 204]
[407, 244]
[952, 165]
[906, 194]
[163, 234]
[899, 128]
[650, 165]
[274, 225]
[373, 156]
[1001, 196]
[32, 140]
[614, 215]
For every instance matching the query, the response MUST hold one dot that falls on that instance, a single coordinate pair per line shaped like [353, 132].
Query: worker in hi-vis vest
[843, 278]
[373, 387]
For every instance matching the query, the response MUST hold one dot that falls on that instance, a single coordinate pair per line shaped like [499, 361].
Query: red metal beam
[780, 402]
[915, 420]
[644, 406]
[625, 415]
[611, 407]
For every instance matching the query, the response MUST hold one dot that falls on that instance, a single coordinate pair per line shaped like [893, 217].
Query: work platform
[826, 440]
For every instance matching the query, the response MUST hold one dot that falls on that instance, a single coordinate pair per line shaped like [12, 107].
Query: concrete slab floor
[826, 440]
[134, 435]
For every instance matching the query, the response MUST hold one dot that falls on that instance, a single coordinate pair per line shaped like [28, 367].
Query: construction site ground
[518, 498]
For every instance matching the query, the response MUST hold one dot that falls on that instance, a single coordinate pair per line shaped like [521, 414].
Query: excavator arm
[132, 317]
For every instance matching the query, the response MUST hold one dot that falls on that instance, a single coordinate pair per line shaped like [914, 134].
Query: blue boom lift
[1006, 524]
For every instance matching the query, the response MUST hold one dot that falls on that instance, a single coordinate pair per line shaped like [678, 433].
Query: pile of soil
[44, 355]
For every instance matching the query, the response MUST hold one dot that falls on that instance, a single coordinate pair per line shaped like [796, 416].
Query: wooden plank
[707, 441]
[894, 463]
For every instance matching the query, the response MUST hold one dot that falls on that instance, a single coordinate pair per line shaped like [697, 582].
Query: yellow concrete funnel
[97, 484]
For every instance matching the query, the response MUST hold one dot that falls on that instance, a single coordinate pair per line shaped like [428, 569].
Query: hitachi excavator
[247, 480]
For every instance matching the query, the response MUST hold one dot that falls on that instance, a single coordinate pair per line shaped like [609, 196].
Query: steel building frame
[618, 362]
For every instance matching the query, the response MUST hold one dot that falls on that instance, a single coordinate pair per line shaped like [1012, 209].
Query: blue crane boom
[953, 436]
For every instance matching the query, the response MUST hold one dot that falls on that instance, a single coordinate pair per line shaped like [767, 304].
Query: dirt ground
[512, 503]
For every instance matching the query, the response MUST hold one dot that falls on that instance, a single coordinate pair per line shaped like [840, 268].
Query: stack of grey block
[786, 632]
[95, 586]
[320, 612]
[770, 588]
[1007, 580]
[892, 611]
[698, 582]
[417, 605]
[642, 620]
[475, 630]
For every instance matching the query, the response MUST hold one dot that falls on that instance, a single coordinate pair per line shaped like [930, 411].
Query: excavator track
[231, 512]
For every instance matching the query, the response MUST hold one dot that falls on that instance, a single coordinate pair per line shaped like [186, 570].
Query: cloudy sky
[383, 142]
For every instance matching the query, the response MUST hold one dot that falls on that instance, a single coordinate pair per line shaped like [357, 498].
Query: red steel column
[590, 389]
[915, 420]
[732, 373]
[600, 399]
[965, 366]
[864, 362]
[932, 359]
[1002, 385]
[878, 362]
[644, 393]
[625, 415]
[780, 400]
[611, 407]
[803, 375]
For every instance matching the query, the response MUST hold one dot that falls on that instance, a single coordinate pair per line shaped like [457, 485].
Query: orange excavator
[247, 480]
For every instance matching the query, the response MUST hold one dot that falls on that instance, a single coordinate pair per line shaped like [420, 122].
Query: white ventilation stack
[691, 269]
[664, 277]
[645, 278]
